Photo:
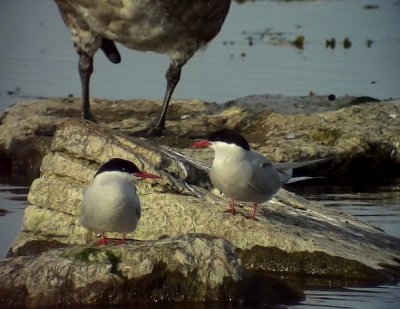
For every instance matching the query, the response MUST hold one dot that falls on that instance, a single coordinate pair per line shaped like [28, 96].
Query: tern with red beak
[245, 175]
[111, 202]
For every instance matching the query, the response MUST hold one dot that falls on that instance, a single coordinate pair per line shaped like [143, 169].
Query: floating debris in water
[346, 43]
[299, 42]
[228, 42]
[250, 40]
[3, 212]
[16, 91]
[276, 38]
[371, 6]
[330, 43]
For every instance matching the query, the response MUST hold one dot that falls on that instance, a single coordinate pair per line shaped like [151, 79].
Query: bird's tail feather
[297, 179]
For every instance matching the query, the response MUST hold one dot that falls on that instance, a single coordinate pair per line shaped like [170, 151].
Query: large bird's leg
[110, 50]
[173, 75]
[85, 70]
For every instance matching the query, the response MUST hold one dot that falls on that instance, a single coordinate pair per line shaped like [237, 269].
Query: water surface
[13, 196]
[37, 58]
[377, 205]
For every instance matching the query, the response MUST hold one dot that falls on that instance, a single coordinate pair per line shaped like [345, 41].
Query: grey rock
[181, 203]
[355, 130]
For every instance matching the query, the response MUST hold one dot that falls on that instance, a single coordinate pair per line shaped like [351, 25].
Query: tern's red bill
[201, 144]
[144, 175]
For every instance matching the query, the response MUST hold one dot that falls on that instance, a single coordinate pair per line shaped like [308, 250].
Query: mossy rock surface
[190, 268]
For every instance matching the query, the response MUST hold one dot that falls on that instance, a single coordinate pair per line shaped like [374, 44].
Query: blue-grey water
[377, 205]
[37, 57]
[13, 196]
[253, 54]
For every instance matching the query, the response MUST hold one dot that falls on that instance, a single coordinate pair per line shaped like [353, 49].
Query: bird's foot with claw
[155, 131]
[89, 116]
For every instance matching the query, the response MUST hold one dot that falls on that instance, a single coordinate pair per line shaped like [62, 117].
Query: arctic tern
[243, 174]
[111, 202]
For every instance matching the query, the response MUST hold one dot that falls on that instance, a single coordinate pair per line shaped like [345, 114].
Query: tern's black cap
[230, 137]
[118, 165]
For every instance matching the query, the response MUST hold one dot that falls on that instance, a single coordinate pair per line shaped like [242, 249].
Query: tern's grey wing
[285, 169]
[283, 166]
[265, 180]
[301, 178]
[138, 211]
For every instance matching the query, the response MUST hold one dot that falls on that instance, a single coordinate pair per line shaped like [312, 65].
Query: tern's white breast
[111, 204]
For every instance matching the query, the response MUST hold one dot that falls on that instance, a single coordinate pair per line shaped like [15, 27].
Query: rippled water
[13, 196]
[37, 58]
[382, 297]
[379, 206]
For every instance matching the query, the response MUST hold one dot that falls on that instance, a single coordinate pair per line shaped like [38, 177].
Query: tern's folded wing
[265, 179]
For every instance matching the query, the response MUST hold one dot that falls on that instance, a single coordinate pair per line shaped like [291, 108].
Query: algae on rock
[188, 268]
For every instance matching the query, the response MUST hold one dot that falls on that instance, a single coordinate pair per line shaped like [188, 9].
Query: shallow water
[377, 205]
[13, 196]
[37, 58]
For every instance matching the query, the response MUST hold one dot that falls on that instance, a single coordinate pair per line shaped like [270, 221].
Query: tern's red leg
[232, 209]
[254, 211]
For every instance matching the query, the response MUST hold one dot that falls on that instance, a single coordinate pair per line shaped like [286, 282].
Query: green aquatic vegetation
[94, 255]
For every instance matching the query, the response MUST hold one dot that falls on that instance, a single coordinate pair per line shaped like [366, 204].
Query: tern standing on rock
[177, 28]
[245, 175]
[111, 202]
